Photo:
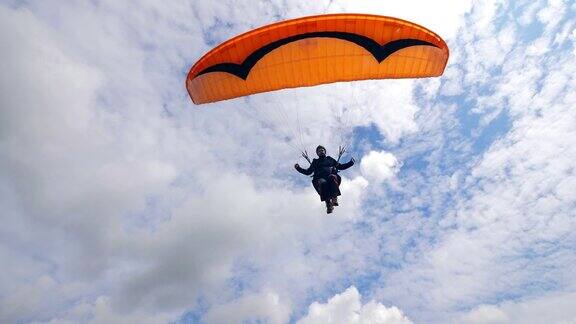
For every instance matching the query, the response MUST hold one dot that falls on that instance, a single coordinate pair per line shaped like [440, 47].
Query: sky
[123, 202]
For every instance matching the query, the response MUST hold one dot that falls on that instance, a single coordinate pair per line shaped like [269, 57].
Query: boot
[335, 201]
[329, 207]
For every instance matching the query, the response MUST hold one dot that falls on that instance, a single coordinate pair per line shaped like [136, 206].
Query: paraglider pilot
[325, 177]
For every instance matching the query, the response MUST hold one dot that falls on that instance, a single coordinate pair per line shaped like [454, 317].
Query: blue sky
[121, 201]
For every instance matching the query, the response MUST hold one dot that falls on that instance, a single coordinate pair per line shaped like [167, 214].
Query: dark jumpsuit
[326, 180]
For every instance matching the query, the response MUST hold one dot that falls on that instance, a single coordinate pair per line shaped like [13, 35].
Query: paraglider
[317, 50]
[325, 178]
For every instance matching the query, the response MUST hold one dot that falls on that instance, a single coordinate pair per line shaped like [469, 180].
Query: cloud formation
[122, 202]
[379, 166]
[265, 307]
[347, 308]
[534, 310]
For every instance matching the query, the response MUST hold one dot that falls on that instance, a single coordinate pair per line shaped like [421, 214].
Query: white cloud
[346, 308]
[378, 166]
[549, 308]
[573, 38]
[505, 229]
[117, 200]
[29, 301]
[189, 254]
[112, 194]
[453, 83]
[486, 314]
[422, 12]
[528, 15]
[482, 17]
[328, 113]
[102, 312]
[552, 12]
[265, 307]
[353, 193]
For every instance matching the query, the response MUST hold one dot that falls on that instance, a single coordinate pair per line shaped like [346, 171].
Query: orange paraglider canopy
[315, 50]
